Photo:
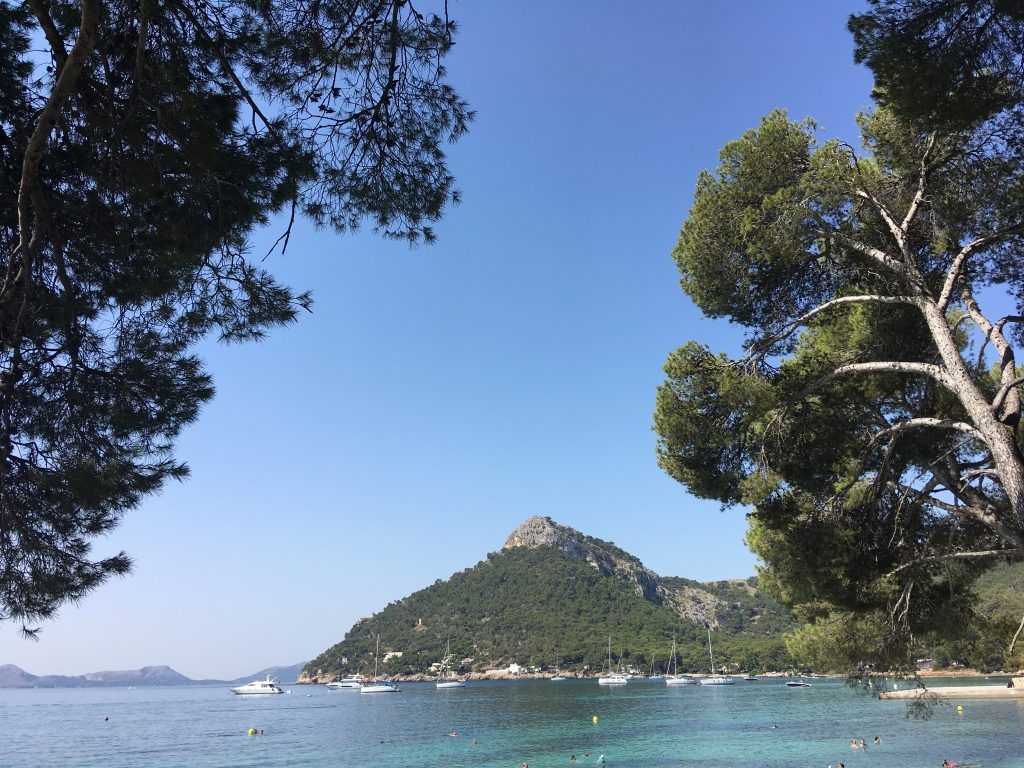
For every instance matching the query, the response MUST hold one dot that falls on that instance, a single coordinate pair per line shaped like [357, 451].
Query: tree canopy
[944, 62]
[138, 152]
[873, 421]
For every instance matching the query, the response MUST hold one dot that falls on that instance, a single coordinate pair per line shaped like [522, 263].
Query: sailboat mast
[376, 657]
[711, 652]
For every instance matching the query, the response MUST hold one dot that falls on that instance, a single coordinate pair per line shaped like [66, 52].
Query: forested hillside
[536, 604]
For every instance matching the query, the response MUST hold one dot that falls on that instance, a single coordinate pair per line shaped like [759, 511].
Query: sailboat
[612, 678]
[654, 677]
[559, 677]
[378, 685]
[714, 679]
[445, 678]
[674, 678]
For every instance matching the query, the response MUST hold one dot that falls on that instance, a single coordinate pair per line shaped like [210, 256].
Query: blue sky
[436, 397]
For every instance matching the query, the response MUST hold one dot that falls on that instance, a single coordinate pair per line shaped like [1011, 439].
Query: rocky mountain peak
[538, 531]
[692, 603]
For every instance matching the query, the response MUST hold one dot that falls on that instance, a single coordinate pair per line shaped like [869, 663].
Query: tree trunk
[999, 438]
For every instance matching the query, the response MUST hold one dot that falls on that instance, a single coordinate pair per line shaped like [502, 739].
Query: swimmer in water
[877, 740]
[261, 731]
[863, 744]
[853, 744]
[473, 741]
[453, 734]
[572, 759]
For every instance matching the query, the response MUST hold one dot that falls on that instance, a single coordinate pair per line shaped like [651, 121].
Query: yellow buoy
[595, 719]
[252, 731]
[959, 707]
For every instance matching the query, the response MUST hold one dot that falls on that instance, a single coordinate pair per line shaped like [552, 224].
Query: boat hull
[680, 681]
[612, 681]
[451, 684]
[379, 688]
[717, 681]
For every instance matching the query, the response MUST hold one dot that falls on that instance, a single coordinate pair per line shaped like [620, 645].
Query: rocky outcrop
[607, 558]
[691, 603]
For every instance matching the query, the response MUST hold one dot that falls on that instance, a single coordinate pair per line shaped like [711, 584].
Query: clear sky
[438, 396]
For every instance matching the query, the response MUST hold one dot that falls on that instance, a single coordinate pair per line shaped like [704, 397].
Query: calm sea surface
[538, 722]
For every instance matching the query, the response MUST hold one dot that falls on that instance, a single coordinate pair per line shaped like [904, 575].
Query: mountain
[15, 677]
[554, 595]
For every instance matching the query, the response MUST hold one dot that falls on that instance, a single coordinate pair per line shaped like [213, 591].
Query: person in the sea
[878, 740]
[863, 744]
[261, 731]
[853, 744]
[572, 759]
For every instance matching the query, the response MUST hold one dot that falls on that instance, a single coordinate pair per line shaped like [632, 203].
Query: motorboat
[612, 678]
[750, 679]
[557, 679]
[378, 685]
[348, 682]
[798, 684]
[260, 687]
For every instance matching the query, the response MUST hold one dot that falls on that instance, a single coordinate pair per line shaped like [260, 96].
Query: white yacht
[346, 682]
[258, 687]
[378, 686]
[798, 684]
[713, 678]
[445, 679]
[673, 677]
[612, 678]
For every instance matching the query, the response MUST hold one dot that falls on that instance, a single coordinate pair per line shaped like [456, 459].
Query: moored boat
[346, 682]
[673, 677]
[612, 678]
[445, 679]
[378, 686]
[260, 687]
[715, 678]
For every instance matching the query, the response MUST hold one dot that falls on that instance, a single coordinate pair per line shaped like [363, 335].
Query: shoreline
[504, 674]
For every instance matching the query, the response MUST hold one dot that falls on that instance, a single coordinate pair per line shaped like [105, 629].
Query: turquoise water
[538, 722]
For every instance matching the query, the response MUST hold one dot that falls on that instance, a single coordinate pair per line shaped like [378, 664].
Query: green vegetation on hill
[541, 606]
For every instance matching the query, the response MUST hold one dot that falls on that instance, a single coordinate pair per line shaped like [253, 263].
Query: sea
[539, 723]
